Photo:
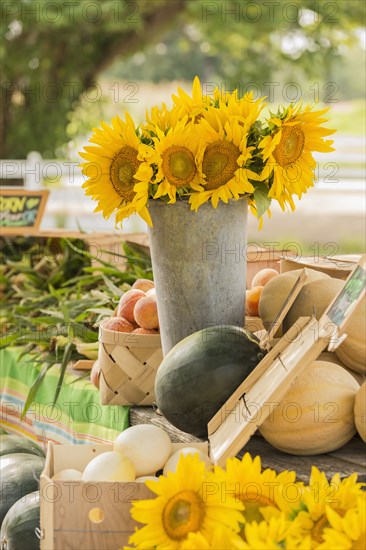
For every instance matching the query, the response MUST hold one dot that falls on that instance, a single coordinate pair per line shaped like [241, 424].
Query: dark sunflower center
[178, 166]
[123, 168]
[184, 513]
[291, 145]
[220, 163]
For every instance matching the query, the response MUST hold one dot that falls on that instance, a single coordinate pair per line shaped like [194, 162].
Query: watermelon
[200, 373]
[19, 474]
[18, 531]
[10, 444]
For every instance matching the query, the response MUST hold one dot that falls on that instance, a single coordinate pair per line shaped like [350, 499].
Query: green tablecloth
[78, 416]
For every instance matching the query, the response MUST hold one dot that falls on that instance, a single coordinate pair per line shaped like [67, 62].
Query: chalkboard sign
[21, 210]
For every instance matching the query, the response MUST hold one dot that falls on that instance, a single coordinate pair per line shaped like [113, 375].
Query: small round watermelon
[18, 530]
[201, 372]
[11, 443]
[19, 474]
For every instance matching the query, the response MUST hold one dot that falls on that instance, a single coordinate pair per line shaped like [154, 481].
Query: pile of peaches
[254, 293]
[137, 310]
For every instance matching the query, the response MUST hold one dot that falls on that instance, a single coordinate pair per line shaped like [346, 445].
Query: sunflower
[287, 151]
[245, 109]
[222, 539]
[321, 496]
[111, 166]
[277, 533]
[264, 494]
[347, 531]
[195, 106]
[162, 118]
[224, 162]
[186, 502]
[174, 157]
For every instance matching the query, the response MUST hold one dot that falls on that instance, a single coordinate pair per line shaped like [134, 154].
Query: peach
[118, 324]
[151, 292]
[146, 312]
[143, 331]
[252, 301]
[263, 276]
[143, 284]
[127, 304]
[94, 374]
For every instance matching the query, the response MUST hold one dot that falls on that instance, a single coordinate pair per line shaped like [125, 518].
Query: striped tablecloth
[77, 418]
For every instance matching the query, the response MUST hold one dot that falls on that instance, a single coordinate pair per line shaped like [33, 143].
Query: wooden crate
[68, 508]
[338, 267]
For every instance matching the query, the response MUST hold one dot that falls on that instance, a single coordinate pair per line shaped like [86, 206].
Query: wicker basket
[128, 365]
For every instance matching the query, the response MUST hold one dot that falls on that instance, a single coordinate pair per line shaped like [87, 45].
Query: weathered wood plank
[330, 463]
[348, 460]
[147, 415]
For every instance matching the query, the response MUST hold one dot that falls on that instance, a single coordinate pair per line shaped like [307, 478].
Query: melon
[313, 299]
[10, 444]
[19, 474]
[352, 352]
[276, 291]
[332, 358]
[360, 411]
[200, 373]
[316, 415]
[18, 530]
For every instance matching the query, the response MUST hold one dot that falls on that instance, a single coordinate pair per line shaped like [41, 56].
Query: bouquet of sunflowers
[243, 507]
[204, 149]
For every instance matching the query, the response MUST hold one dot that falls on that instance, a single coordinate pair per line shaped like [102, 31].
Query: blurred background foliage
[66, 65]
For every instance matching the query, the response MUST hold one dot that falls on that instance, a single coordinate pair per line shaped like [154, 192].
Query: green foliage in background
[51, 52]
[54, 52]
[54, 298]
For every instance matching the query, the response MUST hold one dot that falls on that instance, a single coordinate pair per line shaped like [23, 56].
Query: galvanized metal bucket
[199, 266]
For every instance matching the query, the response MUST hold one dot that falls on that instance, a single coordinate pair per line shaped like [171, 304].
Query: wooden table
[349, 459]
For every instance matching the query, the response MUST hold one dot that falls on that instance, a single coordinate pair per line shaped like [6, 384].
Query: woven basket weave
[128, 365]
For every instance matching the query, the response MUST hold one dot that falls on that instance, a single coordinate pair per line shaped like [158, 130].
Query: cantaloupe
[332, 358]
[316, 415]
[360, 411]
[276, 291]
[313, 299]
[352, 352]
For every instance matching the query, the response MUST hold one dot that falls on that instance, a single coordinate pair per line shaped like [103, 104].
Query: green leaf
[85, 334]
[262, 201]
[34, 389]
[8, 340]
[65, 361]
[116, 291]
[122, 275]
[101, 311]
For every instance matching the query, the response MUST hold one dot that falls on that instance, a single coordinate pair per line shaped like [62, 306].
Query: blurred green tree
[53, 52]
[251, 43]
